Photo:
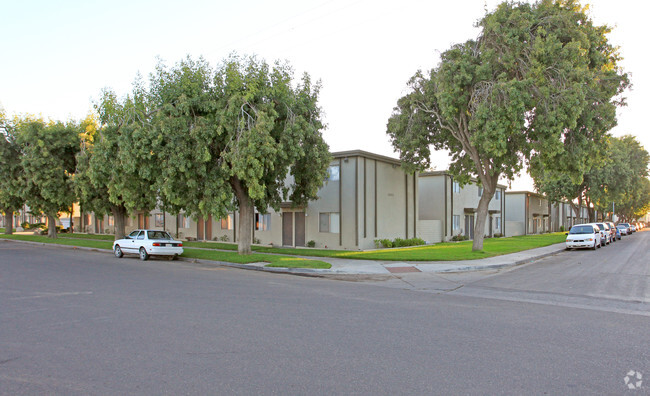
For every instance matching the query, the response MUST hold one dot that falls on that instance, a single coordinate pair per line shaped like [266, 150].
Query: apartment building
[446, 209]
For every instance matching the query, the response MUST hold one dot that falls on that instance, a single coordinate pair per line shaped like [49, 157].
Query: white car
[147, 243]
[583, 236]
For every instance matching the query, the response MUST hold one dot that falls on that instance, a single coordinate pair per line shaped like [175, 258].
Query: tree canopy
[239, 136]
[538, 76]
[11, 197]
[48, 163]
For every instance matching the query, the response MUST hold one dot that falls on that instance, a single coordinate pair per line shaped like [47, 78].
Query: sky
[58, 56]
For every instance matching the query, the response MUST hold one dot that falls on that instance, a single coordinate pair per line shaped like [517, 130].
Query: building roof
[446, 173]
[366, 154]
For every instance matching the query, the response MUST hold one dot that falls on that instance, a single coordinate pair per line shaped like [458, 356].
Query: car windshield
[158, 235]
[582, 230]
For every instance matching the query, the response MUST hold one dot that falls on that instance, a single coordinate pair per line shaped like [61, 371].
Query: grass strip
[448, 251]
[230, 257]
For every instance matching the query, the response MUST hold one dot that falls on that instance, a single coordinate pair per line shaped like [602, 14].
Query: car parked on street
[605, 235]
[583, 236]
[616, 233]
[633, 228]
[628, 230]
[146, 243]
[622, 229]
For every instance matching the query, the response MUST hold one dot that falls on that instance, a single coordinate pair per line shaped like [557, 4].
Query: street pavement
[78, 322]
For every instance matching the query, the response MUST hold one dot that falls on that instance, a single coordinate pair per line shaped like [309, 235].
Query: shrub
[498, 235]
[459, 237]
[398, 242]
[25, 225]
[561, 228]
[311, 244]
[224, 238]
[257, 241]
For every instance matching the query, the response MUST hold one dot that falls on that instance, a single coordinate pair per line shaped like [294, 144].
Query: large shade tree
[512, 95]
[241, 136]
[48, 162]
[620, 176]
[10, 170]
[112, 177]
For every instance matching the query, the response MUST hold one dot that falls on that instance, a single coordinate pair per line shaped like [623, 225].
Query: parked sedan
[623, 229]
[616, 234]
[605, 235]
[147, 243]
[627, 227]
[583, 236]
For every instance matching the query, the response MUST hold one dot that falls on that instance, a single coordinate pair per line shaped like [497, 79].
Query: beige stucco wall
[433, 203]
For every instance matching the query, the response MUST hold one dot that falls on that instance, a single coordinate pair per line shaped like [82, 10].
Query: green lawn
[450, 251]
[99, 237]
[279, 258]
[230, 256]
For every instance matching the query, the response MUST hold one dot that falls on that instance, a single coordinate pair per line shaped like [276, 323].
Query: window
[455, 222]
[329, 222]
[497, 195]
[262, 222]
[334, 172]
[111, 221]
[140, 235]
[133, 234]
[456, 187]
[497, 223]
[480, 191]
[226, 223]
[159, 220]
[183, 221]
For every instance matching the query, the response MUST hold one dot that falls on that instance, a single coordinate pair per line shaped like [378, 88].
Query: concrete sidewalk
[371, 267]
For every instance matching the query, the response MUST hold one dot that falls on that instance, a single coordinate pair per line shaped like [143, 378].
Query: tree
[48, 162]
[508, 97]
[112, 175]
[241, 136]
[10, 168]
[635, 203]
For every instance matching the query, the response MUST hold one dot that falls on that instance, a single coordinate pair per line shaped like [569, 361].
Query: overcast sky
[58, 55]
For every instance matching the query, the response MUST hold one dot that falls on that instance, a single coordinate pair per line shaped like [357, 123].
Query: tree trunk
[119, 215]
[246, 214]
[51, 226]
[9, 221]
[481, 218]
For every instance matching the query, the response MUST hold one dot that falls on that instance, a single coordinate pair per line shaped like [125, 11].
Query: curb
[498, 266]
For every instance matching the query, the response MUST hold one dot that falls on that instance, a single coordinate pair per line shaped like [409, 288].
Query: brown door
[199, 229]
[300, 228]
[208, 228]
[140, 221]
[287, 229]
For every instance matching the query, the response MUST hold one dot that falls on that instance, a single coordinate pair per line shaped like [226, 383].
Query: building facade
[446, 209]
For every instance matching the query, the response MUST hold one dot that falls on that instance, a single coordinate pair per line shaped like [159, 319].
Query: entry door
[300, 228]
[469, 226]
[287, 229]
[208, 228]
[200, 226]
[491, 231]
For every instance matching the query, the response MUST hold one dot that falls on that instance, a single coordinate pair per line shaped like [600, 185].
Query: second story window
[497, 195]
[480, 191]
[334, 172]
[456, 187]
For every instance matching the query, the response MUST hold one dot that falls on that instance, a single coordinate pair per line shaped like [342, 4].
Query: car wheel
[118, 251]
[143, 254]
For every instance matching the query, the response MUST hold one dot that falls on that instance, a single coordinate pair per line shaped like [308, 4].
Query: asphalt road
[75, 322]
